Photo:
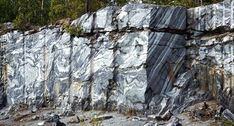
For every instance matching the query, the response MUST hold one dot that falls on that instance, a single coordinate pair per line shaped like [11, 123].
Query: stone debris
[74, 119]
[228, 115]
[41, 123]
[151, 116]
[231, 104]
[166, 116]
[150, 124]
[4, 117]
[219, 111]
[101, 118]
[68, 113]
[204, 112]
[174, 122]
[52, 119]
[36, 117]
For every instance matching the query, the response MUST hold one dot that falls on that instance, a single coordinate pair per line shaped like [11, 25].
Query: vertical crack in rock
[47, 99]
[110, 105]
[70, 77]
[23, 74]
[86, 105]
[93, 22]
[3, 74]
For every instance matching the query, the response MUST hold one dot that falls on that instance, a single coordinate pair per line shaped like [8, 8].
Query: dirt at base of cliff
[201, 114]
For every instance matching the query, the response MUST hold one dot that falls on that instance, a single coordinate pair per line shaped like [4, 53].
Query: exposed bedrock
[112, 71]
[210, 49]
[135, 57]
[134, 17]
[213, 57]
[211, 19]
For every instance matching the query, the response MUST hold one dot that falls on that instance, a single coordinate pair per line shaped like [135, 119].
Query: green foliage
[26, 13]
[57, 10]
[75, 8]
[121, 2]
[30, 12]
[73, 30]
[222, 121]
[96, 122]
[7, 11]
[19, 22]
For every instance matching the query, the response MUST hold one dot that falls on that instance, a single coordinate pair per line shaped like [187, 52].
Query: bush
[73, 30]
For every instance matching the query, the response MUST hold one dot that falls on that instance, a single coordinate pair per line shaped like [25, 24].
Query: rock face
[215, 17]
[2, 77]
[213, 57]
[134, 57]
[210, 49]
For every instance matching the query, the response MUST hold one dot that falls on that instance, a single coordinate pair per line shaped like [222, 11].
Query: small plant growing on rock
[72, 29]
[131, 112]
[95, 122]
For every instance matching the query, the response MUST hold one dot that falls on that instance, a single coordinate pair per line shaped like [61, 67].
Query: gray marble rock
[100, 21]
[113, 71]
[214, 17]
[228, 114]
[178, 97]
[2, 96]
[102, 70]
[164, 61]
[140, 16]
[135, 57]
[213, 58]
[133, 16]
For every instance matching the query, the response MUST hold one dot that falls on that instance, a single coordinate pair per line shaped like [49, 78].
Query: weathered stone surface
[99, 21]
[130, 58]
[106, 71]
[140, 16]
[2, 96]
[133, 16]
[229, 115]
[212, 17]
[164, 62]
[213, 58]
[102, 69]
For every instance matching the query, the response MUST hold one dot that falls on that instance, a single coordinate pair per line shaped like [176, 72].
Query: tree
[7, 10]
[57, 10]
[75, 8]
[25, 13]
[30, 12]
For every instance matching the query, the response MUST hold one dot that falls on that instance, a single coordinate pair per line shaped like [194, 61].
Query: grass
[222, 122]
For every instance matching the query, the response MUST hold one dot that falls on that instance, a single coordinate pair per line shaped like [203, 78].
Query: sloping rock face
[141, 57]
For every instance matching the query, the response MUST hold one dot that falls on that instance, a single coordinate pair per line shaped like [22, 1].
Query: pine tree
[57, 10]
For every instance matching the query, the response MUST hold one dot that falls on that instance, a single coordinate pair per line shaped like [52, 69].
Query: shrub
[72, 29]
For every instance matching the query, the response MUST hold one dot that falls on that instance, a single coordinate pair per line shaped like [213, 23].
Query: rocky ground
[201, 114]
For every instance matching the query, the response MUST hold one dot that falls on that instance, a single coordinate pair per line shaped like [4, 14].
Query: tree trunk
[42, 4]
[88, 6]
